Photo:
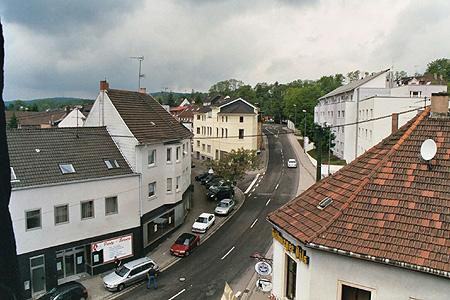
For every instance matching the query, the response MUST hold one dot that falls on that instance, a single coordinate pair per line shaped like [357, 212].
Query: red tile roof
[386, 203]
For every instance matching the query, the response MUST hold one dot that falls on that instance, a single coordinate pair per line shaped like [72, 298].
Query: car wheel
[188, 253]
[120, 287]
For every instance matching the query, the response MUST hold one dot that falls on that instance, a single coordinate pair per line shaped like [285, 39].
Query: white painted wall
[45, 198]
[320, 279]
[73, 119]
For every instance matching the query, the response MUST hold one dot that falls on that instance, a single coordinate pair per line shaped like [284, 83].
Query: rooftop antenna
[428, 151]
[140, 75]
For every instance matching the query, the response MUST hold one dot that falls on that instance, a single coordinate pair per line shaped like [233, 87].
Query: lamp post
[304, 132]
[295, 115]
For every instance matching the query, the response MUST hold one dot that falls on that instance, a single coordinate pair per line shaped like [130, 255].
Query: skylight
[112, 163]
[13, 175]
[324, 203]
[66, 168]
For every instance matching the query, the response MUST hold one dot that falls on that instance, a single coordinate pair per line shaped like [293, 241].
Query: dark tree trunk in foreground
[10, 287]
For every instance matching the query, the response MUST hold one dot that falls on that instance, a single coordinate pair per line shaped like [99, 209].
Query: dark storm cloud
[59, 16]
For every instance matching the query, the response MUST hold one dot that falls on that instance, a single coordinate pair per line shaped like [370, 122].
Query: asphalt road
[225, 256]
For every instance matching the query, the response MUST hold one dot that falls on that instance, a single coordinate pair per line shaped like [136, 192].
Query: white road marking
[267, 203]
[254, 222]
[250, 194]
[177, 294]
[226, 254]
[256, 185]
[238, 294]
[277, 185]
[251, 184]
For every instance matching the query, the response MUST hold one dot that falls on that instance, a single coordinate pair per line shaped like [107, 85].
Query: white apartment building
[157, 147]
[371, 97]
[71, 190]
[225, 125]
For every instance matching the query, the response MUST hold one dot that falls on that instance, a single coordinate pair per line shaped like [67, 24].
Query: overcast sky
[64, 48]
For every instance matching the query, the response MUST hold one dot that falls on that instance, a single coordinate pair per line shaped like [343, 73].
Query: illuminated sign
[300, 254]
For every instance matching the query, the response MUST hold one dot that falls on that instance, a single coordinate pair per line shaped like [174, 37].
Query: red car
[184, 244]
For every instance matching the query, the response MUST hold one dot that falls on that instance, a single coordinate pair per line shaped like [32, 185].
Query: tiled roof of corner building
[139, 110]
[86, 148]
[386, 203]
[353, 85]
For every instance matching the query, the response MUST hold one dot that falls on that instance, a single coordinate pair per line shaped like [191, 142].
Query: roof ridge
[374, 171]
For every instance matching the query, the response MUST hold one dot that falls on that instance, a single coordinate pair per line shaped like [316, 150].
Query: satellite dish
[428, 149]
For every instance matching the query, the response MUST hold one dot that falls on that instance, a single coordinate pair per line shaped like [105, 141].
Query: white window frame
[169, 187]
[340, 283]
[62, 168]
[81, 210]
[177, 153]
[13, 175]
[40, 219]
[111, 164]
[116, 211]
[154, 189]
[154, 158]
[169, 155]
[68, 217]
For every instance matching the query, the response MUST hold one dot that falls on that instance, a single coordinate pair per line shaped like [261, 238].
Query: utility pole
[318, 133]
[140, 75]
[304, 132]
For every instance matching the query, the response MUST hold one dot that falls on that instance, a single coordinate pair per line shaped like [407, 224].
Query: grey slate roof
[146, 118]
[238, 106]
[86, 153]
[353, 85]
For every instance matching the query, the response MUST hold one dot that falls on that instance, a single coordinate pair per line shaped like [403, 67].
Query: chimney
[104, 85]
[394, 122]
[143, 90]
[439, 105]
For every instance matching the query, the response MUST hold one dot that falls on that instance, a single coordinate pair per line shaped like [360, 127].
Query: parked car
[71, 290]
[199, 177]
[212, 181]
[219, 183]
[129, 273]
[292, 163]
[208, 178]
[224, 207]
[220, 193]
[203, 223]
[184, 244]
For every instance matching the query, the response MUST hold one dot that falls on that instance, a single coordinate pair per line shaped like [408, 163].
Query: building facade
[225, 126]
[71, 191]
[369, 98]
[157, 147]
[377, 229]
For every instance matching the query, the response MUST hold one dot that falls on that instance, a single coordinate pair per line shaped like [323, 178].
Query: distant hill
[46, 103]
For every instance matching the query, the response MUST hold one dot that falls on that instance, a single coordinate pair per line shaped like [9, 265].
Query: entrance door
[69, 260]
[37, 269]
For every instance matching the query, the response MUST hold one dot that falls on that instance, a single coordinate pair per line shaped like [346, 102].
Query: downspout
[357, 120]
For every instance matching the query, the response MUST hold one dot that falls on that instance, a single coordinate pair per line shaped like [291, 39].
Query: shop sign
[109, 250]
[263, 268]
[298, 251]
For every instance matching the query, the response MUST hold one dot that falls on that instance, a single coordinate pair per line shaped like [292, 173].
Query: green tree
[13, 122]
[225, 87]
[353, 75]
[441, 67]
[234, 165]
[246, 92]
[34, 107]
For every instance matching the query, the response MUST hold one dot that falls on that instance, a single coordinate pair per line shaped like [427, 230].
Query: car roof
[186, 235]
[226, 200]
[291, 159]
[205, 215]
[70, 284]
[137, 262]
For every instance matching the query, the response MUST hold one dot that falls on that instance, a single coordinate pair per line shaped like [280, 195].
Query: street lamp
[304, 132]
[295, 115]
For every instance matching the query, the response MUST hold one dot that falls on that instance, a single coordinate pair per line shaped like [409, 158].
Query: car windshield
[223, 204]
[122, 271]
[202, 220]
[182, 241]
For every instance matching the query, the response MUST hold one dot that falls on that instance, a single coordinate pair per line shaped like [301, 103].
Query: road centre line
[277, 186]
[177, 294]
[254, 222]
[226, 254]
[251, 184]
[267, 203]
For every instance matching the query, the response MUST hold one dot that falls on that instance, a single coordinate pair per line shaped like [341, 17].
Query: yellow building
[224, 125]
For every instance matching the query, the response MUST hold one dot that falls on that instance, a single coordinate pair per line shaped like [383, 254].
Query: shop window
[33, 219]
[87, 209]
[61, 214]
[353, 293]
[291, 277]
[111, 205]
[159, 226]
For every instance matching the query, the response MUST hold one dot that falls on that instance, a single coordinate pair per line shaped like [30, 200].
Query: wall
[74, 119]
[45, 198]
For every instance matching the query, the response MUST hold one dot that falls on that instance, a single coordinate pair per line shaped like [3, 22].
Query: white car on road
[203, 223]
[292, 163]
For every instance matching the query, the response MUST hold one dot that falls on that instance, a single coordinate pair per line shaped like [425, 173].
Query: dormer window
[66, 168]
[112, 163]
[13, 175]
[324, 203]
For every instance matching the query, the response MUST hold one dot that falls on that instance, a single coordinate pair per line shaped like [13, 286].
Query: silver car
[129, 273]
[224, 207]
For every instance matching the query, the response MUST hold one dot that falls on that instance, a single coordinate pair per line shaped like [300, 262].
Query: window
[203, 147]
[351, 293]
[226, 132]
[291, 275]
[198, 130]
[13, 175]
[151, 157]
[177, 153]
[222, 132]
[87, 209]
[151, 189]
[209, 148]
[198, 117]
[169, 185]
[217, 132]
[198, 143]
[33, 219]
[226, 118]
[184, 150]
[66, 168]
[169, 155]
[241, 134]
[61, 214]
[112, 164]
[241, 119]
[111, 205]
[177, 184]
